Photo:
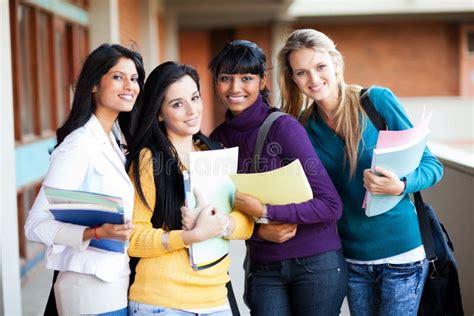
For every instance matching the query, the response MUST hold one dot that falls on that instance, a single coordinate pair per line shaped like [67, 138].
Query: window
[45, 71]
[26, 96]
[47, 51]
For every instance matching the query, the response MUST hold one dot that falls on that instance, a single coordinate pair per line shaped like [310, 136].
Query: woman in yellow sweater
[165, 282]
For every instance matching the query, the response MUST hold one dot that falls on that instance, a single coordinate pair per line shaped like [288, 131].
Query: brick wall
[198, 47]
[162, 36]
[411, 58]
[260, 35]
[195, 50]
[129, 23]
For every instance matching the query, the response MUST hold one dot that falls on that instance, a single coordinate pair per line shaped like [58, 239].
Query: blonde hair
[348, 125]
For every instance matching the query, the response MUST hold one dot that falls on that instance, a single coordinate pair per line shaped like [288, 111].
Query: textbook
[399, 152]
[209, 172]
[284, 185]
[87, 209]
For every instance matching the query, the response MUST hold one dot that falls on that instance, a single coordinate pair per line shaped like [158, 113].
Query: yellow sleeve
[243, 225]
[145, 241]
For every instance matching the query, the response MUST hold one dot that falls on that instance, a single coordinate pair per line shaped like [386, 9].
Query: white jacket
[86, 160]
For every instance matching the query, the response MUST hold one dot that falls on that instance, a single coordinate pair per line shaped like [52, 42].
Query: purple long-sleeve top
[286, 141]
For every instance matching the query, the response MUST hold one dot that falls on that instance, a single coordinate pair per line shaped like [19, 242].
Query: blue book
[91, 218]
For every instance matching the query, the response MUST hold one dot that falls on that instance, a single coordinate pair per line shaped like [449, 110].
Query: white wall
[452, 118]
[10, 289]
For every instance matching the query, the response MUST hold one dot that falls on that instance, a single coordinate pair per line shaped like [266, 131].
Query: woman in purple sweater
[301, 272]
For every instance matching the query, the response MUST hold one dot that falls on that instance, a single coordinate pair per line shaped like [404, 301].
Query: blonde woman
[385, 255]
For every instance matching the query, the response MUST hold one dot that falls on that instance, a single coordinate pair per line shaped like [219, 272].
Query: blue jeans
[386, 289]
[139, 309]
[310, 286]
[120, 312]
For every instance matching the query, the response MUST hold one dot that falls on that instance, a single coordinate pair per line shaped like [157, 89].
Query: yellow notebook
[285, 185]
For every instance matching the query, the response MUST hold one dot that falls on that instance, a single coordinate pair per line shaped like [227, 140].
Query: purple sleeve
[326, 204]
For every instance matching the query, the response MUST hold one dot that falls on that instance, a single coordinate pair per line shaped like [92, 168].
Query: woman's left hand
[248, 204]
[385, 182]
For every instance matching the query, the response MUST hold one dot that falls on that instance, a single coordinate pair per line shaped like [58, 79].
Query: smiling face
[314, 72]
[181, 110]
[118, 89]
[238, 91]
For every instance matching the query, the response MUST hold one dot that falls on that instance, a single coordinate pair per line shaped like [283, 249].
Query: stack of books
[87, 209]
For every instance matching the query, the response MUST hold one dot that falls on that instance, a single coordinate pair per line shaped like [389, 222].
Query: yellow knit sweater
[165, 277]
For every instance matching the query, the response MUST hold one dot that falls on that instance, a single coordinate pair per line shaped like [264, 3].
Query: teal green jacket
[391, 233]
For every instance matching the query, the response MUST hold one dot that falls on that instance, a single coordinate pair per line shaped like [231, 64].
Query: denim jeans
[120, 312]
[139, 309]
[386, 289]
[312, 286]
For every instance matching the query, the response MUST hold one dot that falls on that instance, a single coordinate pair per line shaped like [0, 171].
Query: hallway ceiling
[227, 13]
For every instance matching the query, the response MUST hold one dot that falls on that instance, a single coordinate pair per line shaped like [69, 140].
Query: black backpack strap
[234, 307]
[423, 218]
[261, 138]
[210, 143]
[369, 108]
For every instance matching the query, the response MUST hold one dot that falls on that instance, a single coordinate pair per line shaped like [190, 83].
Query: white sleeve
[68, 169]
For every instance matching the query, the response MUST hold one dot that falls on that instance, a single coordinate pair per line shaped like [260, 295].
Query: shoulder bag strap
[372, 114]
[261, 138]
[423, 218]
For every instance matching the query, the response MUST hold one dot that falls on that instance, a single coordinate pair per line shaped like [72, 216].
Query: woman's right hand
[277, 232]
[110, 231]
[209, 224]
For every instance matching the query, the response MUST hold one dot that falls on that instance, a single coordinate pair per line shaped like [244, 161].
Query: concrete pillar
[280, 30]
[172, 36]
[149, 29]
[10, 288]
[103, 22]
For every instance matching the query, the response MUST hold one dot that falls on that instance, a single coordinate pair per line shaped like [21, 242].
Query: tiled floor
[35, 291]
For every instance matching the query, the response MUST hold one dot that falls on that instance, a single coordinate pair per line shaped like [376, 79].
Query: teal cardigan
[391, 233]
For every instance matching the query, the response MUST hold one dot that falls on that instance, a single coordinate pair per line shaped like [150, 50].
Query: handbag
[441, 292]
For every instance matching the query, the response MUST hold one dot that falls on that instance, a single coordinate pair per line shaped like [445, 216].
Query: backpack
[441, 293]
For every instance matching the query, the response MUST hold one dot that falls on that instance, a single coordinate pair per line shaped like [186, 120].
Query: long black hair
[96, 65]
[151, 134]
[241, 57]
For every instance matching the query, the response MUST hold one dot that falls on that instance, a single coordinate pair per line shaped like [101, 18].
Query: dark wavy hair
[241, 57]
[151, 134]
[96, 65]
